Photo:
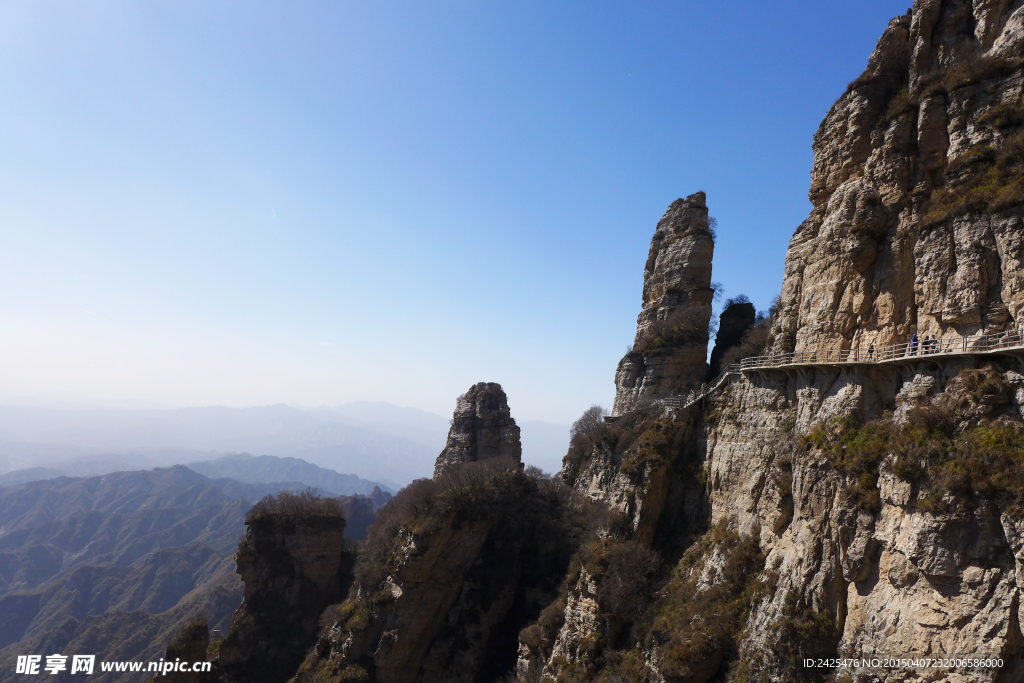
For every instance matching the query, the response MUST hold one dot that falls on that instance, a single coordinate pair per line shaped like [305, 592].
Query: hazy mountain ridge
[375, 441]
[116, 635]
[32, 436]
[113, 565]
[115, 562]
[259, 469]
[50, 527]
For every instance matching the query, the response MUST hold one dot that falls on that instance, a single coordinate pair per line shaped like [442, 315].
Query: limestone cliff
[812, 512]
[855, 511]
[482, 427]
[669, 352]
[917, 185]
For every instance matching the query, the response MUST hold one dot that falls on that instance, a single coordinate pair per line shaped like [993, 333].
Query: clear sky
[244, 203]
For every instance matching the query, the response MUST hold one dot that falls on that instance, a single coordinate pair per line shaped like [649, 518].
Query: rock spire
[482, 427]
[669, 352]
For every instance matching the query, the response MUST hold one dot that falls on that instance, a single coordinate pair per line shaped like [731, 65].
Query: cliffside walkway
[1010, 343]
[708, 389]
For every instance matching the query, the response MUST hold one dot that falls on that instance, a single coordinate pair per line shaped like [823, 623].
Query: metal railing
[697, 394]
[891, 353]
[947, 346]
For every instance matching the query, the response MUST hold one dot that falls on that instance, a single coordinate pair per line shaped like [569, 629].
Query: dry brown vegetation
[969, 71]
[697, 621]
[641, 436]
[306, 504]
[983, 179]
[535, 524]
[954, 448]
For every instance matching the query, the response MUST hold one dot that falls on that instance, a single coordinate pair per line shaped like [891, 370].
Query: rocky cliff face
[860, 511]
[917, 183]
[482, 427]
[454, 567]
[293, 566]
[670, 348]
[189, 645]
[845, 477]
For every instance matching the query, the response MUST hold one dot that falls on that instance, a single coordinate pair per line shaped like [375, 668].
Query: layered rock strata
[670, 349]
[482, 427]
[842, 476]
[917, 185]
[881, 557]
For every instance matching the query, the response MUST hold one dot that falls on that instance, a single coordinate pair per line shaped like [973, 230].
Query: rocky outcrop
[293, 566]
[863, 541]
[482, 427]
[842, 476]
[670, 350]
[187, 648]
[451, 571]
[733, 323]
[917, 187]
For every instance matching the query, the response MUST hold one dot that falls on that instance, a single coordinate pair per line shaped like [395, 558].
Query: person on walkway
[871, 353]
[913, 344]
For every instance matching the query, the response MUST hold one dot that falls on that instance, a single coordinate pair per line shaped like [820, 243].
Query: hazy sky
[245, 203]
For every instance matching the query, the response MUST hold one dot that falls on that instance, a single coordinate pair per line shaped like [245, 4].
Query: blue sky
[318, 202]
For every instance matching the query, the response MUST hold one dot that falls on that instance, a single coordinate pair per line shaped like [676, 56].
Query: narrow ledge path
[1009, 343]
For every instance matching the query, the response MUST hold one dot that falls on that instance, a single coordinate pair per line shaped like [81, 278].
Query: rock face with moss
[293, 565]
[482, 427]
[917, 187]
[669, 352]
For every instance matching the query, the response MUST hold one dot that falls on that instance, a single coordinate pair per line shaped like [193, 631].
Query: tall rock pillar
[670, 351]
[482, 427]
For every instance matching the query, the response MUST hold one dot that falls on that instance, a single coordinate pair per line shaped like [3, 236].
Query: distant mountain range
[267, 468]
[113, 565]
[93, 560]
[379, 449]
[265, 471]
[374, 441]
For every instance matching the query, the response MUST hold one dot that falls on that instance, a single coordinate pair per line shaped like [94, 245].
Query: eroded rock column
[482, 427]
[670, 349]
